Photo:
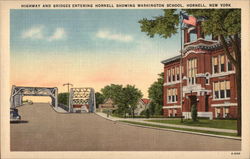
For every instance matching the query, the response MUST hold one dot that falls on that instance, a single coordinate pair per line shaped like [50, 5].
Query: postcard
[116, 79]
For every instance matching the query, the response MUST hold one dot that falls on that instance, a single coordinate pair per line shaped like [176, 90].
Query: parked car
[14, 116]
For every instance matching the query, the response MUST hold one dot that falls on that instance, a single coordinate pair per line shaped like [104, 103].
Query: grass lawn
[185, 129]
[221, 124]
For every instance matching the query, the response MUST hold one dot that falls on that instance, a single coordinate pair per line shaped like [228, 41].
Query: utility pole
[68, 84]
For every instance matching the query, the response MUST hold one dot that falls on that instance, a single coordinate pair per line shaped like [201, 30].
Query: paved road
[46, 130]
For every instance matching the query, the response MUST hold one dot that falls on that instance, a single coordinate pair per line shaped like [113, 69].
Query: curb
[173, 130]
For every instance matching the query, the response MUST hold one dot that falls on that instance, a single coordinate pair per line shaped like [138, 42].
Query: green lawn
[221, 124]
[185, 129]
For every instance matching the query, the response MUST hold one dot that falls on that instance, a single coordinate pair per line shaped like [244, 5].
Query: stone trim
[222, 74]
[224, 105]
[170, 107]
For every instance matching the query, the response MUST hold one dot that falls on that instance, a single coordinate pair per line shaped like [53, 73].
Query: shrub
[194, 112]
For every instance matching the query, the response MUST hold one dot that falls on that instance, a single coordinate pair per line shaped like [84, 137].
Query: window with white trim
[226, 112]
[169, 75]
[172, 95]
[173, 74]
[222, 63]
[174, 112]
[215, 64]
[177, 70]
[222, 90]
[169, 112]
[192, 70]
[217, 112]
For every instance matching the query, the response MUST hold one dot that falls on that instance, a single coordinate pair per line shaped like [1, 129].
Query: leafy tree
[158, 109]
[99, 99]
[125, 98]
[155, 108]
[111, 91]
[151, 108]
[129, 99]
[63, 98]
[223, 23]
[155, 93]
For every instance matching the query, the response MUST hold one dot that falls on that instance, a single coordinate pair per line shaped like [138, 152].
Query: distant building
[107, 105]
[142, 105]
[208, 80]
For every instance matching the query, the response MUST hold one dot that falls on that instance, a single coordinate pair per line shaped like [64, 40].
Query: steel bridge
[82, 99]
[18, 92]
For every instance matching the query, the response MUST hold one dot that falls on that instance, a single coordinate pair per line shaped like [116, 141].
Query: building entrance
[193, 101]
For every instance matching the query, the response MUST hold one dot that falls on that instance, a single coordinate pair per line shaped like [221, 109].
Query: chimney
[199, 32]
[186, 36]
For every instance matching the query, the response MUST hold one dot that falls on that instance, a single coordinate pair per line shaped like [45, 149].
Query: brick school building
[207, 79]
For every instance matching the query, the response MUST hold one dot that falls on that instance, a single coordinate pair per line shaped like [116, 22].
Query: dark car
[14, 116]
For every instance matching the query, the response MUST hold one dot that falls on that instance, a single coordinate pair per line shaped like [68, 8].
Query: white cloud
[105, 34]
[34, 33]
[58, 34]
[38, 32]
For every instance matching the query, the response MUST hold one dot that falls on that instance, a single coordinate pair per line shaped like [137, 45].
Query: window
[217, 112]
[175, 112]
[215, 65]
[228, 93]
[172, 95]
[222, 90]
[225, 112]
[169, 112]
[169, 75]
[192, 70]
[207, 79]
[177, 70]
[216, 90]
[173, 74]
[222, 63]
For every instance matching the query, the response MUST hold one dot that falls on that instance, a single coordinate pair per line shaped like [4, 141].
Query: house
[107, 105]
[142, 105]
[202, 76]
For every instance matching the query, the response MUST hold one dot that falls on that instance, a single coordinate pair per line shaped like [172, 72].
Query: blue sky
[69, 43]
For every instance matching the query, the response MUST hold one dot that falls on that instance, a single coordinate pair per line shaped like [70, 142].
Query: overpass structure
[17, 93]
[82, 100]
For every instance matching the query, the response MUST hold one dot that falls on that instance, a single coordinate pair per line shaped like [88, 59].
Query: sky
[88, 48]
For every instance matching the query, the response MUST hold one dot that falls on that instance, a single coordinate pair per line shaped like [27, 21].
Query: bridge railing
[64, 107]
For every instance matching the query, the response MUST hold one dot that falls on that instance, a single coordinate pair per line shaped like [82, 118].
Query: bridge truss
[18, 92]
[83, 98]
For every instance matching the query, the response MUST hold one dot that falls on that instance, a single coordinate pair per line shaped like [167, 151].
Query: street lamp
[68, 84]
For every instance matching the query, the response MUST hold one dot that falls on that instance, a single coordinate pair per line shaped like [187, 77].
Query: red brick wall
[204, 66]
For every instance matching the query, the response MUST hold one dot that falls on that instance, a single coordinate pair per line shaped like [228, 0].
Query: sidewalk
[142, 120]
[59, 110]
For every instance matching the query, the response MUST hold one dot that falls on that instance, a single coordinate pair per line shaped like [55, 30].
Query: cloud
[106, 34]
[58, 34]
[34, 33]
[38, 32]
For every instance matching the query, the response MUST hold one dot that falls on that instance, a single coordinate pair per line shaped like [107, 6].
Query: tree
[155, 93]
[99, 99]
[223, 23]
[111, 91]
[63, 98]
[126, 98]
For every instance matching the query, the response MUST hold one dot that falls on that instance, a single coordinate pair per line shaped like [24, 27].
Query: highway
[43, 129]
